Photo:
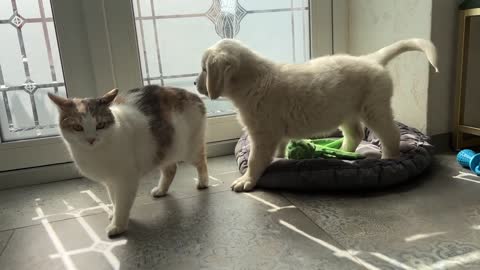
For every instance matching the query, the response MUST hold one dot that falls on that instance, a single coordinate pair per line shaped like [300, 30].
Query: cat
[118, 139]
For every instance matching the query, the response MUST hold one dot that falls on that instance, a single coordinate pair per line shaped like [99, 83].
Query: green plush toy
[319, 148]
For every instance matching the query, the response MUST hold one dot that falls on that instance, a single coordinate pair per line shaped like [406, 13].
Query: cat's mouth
[91, 144]
[91, 141]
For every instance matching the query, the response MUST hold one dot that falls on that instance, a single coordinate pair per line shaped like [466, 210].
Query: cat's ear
[61, 102]
[109, 97]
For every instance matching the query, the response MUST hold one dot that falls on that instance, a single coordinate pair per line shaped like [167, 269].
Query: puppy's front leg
[281, 148]
[261, 155]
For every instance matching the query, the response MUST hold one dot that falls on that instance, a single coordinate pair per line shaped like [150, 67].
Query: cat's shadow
[167, 215]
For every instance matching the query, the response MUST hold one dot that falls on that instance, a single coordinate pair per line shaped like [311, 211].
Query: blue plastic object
[469, 159]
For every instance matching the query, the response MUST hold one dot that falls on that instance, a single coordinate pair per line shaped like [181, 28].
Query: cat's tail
[384, 55]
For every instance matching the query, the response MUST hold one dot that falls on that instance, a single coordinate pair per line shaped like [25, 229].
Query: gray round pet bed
[341, 175]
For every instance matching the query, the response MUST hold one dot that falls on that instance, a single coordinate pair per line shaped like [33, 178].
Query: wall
[377, 23]
[422, 98]
[442, 85]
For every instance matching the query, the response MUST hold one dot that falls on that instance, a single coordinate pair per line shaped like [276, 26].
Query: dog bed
[342, 175]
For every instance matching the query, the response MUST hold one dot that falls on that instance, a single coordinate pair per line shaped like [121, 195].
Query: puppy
[279, 102]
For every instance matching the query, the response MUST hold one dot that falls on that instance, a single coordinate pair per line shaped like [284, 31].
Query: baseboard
[66, 171]
[223, 148]
[38, 175]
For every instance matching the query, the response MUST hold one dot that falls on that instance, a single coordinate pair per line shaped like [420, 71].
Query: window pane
[173, 34]
[29, 69]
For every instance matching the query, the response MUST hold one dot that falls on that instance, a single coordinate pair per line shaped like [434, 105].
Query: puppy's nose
[91, 141]
[194, 82]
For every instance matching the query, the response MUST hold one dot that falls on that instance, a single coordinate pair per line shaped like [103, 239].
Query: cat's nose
[90, 141]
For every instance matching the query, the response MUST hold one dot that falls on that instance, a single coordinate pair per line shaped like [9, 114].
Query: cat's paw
[242, 184]
[157, 192]
[114, 229]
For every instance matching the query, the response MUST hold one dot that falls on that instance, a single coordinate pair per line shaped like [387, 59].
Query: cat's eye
[100, 125]
[77, 127]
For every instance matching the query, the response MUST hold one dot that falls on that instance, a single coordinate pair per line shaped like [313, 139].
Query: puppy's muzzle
[200, 89]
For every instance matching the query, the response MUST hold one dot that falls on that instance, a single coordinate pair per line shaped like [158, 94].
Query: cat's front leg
[124, 194]
[111, 196]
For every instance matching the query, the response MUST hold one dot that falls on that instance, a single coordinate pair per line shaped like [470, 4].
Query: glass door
[172, 36]
[30, 67]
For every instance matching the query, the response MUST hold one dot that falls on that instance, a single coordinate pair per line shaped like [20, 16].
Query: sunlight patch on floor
[274, 208]
[470, 177]
[98, 245]
[420, 236]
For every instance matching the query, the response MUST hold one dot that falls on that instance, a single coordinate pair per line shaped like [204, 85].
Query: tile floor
[433, 223]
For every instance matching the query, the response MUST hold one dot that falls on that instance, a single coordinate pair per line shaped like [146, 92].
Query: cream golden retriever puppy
[278, 102]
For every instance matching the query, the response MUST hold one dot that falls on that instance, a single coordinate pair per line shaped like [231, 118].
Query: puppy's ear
[220, 68]
[62, 103]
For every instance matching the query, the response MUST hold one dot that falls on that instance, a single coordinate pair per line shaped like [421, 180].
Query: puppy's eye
[100, 125]
[204, 69]
[77, 127]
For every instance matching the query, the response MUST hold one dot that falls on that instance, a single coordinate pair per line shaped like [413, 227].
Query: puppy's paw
[114, 229]
[396, 156]
[243, 184]
[157, 192]
[202, 185]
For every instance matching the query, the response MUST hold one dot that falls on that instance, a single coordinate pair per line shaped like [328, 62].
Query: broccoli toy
[319, 148]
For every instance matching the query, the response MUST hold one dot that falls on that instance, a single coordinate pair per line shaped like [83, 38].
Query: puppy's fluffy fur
[278, 102]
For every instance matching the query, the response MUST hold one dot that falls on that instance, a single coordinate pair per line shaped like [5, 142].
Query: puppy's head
[219, 64]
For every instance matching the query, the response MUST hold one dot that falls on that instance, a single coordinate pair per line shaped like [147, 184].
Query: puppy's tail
[384, 55]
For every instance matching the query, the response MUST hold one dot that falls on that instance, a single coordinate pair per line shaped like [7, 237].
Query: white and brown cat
[118, 139]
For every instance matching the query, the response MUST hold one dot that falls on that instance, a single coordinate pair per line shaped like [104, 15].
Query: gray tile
[223, 230]
[92, 260]
[428, 223]
[435, 223]
[226, 231]
[4, 238]
[18, 206]
[184, 184]
[222, 172]
[29, 248]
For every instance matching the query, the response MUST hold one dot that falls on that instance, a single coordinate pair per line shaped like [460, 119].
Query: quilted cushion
[334, 174]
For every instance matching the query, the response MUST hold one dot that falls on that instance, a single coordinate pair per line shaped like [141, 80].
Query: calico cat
[118, 139]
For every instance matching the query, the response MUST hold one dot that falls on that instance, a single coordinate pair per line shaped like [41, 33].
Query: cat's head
[85, 122]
